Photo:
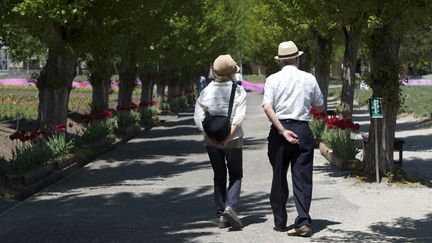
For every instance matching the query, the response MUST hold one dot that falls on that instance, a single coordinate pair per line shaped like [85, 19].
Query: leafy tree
[388, 23]
[416, 50]
[57, 25]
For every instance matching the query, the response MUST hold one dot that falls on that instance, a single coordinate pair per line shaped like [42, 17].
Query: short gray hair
[285, 62]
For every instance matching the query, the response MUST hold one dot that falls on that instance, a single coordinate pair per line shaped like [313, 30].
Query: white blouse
[215, 99]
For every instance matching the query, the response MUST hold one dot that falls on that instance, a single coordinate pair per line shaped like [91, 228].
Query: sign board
[375, 107]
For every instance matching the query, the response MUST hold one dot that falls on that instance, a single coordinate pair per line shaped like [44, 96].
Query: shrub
[317, 127]
[340, 142]
[97, 130]
[165, 106]
[60, 144]
[147, 113]
[29, 156]
[126, 119]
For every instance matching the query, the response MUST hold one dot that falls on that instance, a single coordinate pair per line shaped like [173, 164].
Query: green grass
[418, 100]
[255, 78]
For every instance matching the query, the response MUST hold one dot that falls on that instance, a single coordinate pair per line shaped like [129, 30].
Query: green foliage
[126, 119]
[13, 106]
[60, 144]
[97, 130]
[340, 142]
[17, 107]
[147, 113]
[364, 96]
[29, 156]
[178, 103]
[417, 100]
[255, 78]
[317, 127]
[165, 106]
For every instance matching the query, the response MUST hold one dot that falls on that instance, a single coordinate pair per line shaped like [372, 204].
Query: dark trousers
[221, 159]
[281, 153]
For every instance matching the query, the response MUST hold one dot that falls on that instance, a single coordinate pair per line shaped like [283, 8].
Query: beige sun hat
[225, 65]
[287, 50]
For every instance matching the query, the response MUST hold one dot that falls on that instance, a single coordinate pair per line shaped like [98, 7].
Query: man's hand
[290, 136]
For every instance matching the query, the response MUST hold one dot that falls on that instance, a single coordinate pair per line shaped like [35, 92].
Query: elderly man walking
[288, 96]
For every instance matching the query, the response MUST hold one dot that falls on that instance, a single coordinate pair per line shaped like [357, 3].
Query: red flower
[317, 114]
[59, 128]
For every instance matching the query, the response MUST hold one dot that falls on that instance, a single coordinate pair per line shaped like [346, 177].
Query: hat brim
[286, 58]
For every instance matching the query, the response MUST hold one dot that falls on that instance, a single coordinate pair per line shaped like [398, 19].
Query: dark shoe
[223, 223]
[304, 231]
[279, 229]
[232, 218]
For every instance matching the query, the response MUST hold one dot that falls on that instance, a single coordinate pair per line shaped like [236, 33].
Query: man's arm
[287, 134]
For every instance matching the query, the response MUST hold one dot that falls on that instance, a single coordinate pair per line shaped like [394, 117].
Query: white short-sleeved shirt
[215, 99]
[292, 92]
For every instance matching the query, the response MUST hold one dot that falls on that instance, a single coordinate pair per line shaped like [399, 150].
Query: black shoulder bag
[219, 127]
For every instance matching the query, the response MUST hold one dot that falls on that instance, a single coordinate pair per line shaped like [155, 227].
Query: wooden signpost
[375, 112]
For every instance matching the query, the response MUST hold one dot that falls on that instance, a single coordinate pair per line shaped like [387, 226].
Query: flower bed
[336, 144]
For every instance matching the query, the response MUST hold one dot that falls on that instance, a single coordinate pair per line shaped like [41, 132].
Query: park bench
[398, 146]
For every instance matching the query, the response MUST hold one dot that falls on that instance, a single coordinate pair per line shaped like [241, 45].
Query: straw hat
[288, 50]
[225, 65]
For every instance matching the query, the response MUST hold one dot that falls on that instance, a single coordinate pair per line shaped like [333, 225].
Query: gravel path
[158, 188]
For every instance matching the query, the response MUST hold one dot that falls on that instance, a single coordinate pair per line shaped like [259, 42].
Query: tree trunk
[100, 79]
[146, 85]
[384, 51]
[159, 98]
[127, 77]
[322, 64]
[55, 84]
[352, 43]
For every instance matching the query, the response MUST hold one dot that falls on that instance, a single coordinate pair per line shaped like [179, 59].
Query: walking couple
[288, 97]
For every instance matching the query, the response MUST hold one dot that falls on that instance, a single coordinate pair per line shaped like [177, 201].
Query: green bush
[60, 144]
[126, 119]
[147, 113]
[317, 127]
[29, 156]
[94, 131]
[165, 106]
[340, 142]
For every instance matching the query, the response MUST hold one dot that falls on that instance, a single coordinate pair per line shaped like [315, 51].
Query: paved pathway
[158, 188]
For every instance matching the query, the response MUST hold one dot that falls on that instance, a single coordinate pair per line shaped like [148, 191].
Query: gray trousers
[226, 160]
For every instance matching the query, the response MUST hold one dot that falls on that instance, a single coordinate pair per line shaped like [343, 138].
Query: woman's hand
[211, 141]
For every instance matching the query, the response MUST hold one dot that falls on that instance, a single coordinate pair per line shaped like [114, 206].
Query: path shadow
[403, 229]
[130, 174]
[330, 170]
[419, 169]
[173, 215]
[417, 143]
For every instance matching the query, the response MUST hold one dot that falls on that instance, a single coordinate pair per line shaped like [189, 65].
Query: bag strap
[231, 101]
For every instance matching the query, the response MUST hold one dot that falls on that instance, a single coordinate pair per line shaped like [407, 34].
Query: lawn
[417, 100]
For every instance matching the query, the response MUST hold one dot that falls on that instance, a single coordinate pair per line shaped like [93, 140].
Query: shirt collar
[288, 67]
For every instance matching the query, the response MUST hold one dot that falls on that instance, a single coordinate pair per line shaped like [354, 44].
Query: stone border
[343, 164]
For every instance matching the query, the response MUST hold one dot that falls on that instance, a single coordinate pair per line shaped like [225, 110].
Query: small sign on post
[375, 112]
[375, 107]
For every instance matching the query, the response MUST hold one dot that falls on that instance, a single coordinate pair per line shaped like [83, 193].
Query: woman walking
[214, 100]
